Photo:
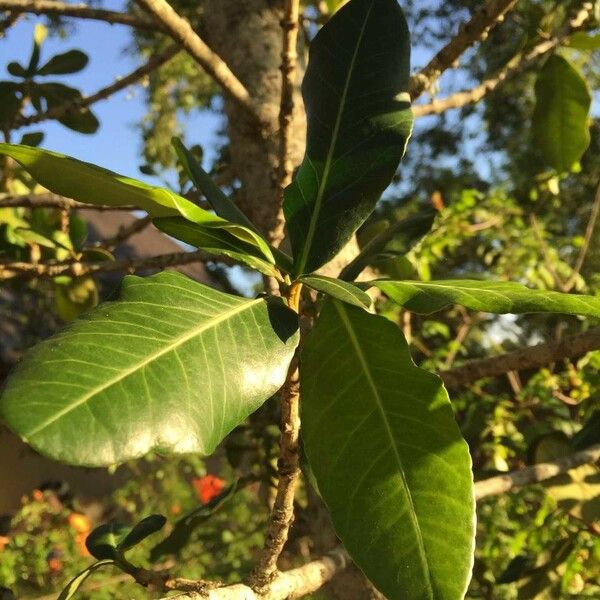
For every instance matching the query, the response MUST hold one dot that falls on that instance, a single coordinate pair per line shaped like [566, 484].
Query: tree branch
[535, 474]
[282, 513]
[125, 232]
[79, 11]
[288, 585]
[589, 232]
[49, 200]
[8, 22]
[182, 32]
[482, 20]
[532, 357]
[77, 105]
[517, 65]
[290, 25]
[77, 269]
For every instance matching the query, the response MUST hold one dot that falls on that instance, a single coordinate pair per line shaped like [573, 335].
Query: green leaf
[359, 121]
[219, 240]
[56, 95]
[10, 102]
[73, 586]
[488, 296]
[16, 70]
[560, 124]
[406, 232]
[223, 206]
[63, 64]
[388, 457]
[74, 297]
[94, 185]
[584, 41]
[103, 543]
[145, 528]
[82, 121]
[173, 367]
[341, 290]
[33, 138]
[40, 33]
[185, 527]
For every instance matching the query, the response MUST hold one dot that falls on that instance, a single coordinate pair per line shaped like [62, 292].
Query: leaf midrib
[328, 161]
[378, 401]
[178, 341]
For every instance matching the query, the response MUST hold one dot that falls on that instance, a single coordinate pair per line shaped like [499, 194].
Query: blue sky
[117, 144]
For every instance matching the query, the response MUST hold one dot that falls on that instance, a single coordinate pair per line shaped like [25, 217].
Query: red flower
[208, 487]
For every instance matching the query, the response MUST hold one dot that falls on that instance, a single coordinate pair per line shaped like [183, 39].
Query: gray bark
[247, 35]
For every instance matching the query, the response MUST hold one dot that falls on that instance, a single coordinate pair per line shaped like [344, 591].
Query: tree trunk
[248, 35]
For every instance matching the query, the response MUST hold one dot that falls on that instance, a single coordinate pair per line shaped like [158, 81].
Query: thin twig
[546, 253]
[517, 65]
[532, 357]
[125, 232]
[290, 25]
[77, 269]
[49, 200]
[182, 32]
[79, 11]
[8, 22]
[589, 232]
[82, 103]
[288, 465]
[475, 30]
[536, 473]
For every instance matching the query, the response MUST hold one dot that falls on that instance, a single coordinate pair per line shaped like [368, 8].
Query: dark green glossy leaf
[103, 543]
[145, 528]
[561, 118]
[488, 296]
[73, 586]
[405, 232]
[341, 290]
[217, 240]
[223, 206]
[388, 457]
[62, 64]
[173, 367]
[16, 70]
[359, 121]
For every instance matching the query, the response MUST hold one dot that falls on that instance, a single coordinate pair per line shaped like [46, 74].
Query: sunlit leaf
[172, 367]
[487, 296]
[359, 121]
[336, 288]
[560, 124]
[388, 457]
